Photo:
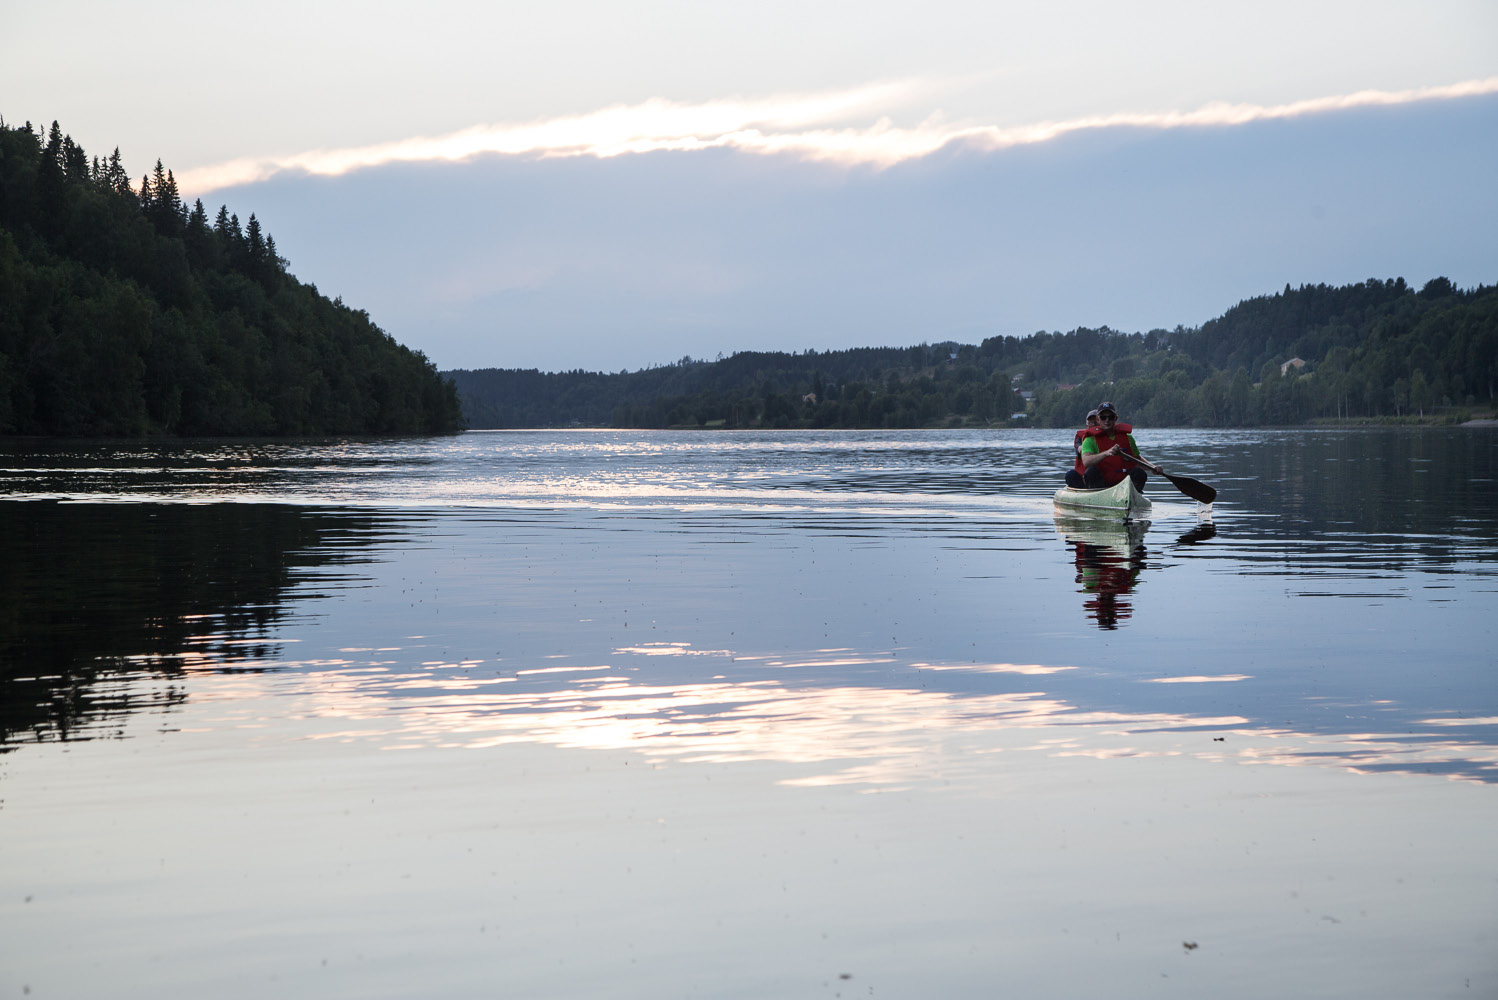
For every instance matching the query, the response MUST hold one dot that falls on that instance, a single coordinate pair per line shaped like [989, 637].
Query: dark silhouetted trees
[1373, 350]
[124, 312]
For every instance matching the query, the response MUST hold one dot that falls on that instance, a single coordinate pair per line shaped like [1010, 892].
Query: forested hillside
[125, 312]
[1375, 350]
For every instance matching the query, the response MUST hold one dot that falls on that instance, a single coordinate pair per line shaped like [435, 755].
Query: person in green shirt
[1104, 453]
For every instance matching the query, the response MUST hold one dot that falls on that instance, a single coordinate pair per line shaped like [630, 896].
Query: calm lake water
[800, 714]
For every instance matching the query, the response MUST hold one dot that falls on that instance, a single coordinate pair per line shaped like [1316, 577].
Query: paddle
[1198, 491]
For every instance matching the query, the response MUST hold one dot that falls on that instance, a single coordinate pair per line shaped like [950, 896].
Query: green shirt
[1090, 445]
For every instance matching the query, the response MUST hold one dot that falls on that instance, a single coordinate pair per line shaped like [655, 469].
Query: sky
[611, 185]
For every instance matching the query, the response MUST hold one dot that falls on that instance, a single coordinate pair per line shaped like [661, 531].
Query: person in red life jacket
[1081, 435]
[1102, 457]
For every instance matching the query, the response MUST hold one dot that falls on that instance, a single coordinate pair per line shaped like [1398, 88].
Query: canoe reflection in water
[1109, 557]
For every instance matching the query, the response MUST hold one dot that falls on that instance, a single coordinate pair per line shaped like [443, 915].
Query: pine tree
[225, 229]
[255, 242]
[234, 242]
[74, 161]
[53, 150]
[50, 178]
[165, 208]
[202, 249]
[174, 203]
[275, 260]
[116, 175]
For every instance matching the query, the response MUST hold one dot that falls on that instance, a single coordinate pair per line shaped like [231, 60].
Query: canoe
[1122, 500]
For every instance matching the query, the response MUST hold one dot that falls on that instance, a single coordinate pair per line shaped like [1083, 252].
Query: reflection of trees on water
[1415, 498]
[96, 592]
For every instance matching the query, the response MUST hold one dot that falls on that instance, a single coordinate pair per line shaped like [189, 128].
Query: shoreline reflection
[109, 606]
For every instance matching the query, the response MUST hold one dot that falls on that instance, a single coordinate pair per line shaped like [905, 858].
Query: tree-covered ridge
[124, 311]
[1373, 350]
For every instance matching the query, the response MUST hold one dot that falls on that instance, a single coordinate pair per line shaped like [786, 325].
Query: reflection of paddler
[1109, 557]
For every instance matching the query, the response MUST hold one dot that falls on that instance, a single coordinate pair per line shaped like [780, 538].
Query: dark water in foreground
[807, 714]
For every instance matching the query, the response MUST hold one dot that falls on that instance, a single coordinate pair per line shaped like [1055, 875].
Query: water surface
[797, 714]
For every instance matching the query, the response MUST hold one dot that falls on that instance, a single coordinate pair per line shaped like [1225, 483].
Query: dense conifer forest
[1378, 350]
[125, 312]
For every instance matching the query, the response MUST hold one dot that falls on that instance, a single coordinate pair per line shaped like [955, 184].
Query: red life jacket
[1081, 435]
[1113, 467]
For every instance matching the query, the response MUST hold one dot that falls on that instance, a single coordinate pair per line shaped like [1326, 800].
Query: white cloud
[656, 124]
[805, 125]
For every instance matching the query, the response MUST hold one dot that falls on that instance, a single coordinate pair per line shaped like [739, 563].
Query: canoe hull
[1123, 501]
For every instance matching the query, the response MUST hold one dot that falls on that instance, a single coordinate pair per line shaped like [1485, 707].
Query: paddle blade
[1198, 491]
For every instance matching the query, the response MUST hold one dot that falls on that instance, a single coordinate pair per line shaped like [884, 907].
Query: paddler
[1076, 441]
[1074, 474]
[1104, 453]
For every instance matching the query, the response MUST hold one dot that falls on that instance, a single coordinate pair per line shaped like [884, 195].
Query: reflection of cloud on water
[1486, 720]
[867, 735]
[671, 649]
[547, 670]
[1027, 669]
[875, 736]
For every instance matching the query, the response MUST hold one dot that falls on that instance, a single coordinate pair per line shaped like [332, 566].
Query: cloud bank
[558, 262]
[808, 126]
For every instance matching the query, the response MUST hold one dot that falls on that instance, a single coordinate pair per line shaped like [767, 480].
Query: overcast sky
[614, 184]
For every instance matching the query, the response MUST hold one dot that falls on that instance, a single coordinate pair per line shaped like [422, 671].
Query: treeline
[1378, 350]
[752, 388]
[125, 312]
[1375, 350]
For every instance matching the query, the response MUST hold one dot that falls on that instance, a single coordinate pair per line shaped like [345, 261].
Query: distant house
[810, 397]
[1295, 363]
[1026, 395]
[1065, 388]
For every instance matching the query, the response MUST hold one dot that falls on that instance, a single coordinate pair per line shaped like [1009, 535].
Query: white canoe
[1122, 500]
